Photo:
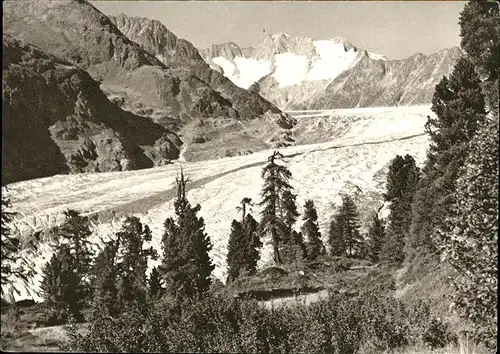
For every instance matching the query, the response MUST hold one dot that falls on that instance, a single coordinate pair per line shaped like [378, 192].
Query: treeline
[115, 278]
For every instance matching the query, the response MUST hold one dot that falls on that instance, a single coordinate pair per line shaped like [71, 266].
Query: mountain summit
[298, 72]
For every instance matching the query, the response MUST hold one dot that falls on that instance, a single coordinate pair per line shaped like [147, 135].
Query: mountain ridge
[322, 67]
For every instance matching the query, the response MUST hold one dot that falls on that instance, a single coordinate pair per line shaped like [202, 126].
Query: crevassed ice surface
[362, 142]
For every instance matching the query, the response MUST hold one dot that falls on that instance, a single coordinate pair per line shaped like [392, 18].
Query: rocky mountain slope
[300, 73]
[55, 119]
[178, 90]
[156, 39]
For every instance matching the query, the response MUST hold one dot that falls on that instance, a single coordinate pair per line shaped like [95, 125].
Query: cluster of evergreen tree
[244, 244]
[455, 207]
[115, 281]
[14, 266]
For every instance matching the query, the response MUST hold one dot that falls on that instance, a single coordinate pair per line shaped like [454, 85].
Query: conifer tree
[480, 32]
[244, 244]
[75, 232]
[310, 229]
[13, 265]
[61, 286]
[237, 251]
[459, 106]
[276, 182]
[350, 226]
[469, 238]
[186, 265]
[155, 288]
[376, 234]
[336, 237]
[402, 181]
[252, 236]
[292, 245]
[73, 258]
[133, 263]
[104, 282]
[250, 228]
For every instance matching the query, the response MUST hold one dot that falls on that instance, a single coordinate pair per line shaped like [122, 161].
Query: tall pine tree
[186, 266]
[459, 106]
[14, 265]
[310, 229]
[292, 249]
[244, 244]
[336, 237]
[73, 261]
[376, 235]
[251, 230]
[469, 234]
[61, 287]
[104, 282]
[402, 181]
[469, 238]
[132, 263]
[237, 251]
[276, 182]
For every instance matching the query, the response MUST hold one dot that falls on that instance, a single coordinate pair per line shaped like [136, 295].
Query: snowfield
[354, 150]
[327, 61]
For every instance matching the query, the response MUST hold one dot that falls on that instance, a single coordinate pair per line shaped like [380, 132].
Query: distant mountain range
[301, 73]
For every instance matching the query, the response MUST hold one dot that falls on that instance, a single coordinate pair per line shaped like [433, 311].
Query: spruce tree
[336, 237]
[252, 236]
[376, 235]
[310, 229]
[244, 244]
[237, 251]
[155, 288]
[132, 263]
[290, 250]
[276, 182]
[469, 236]
[61, 286]
[73, 258]
[104, 282]
[254, 244]
[350, 226]
[459, 106]
[13, 264]
[402, 181]
[75, 232]
[186, 265]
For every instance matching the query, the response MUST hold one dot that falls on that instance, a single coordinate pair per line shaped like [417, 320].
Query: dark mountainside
[57, 120]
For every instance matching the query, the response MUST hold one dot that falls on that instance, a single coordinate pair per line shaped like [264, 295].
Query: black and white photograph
[250, 176]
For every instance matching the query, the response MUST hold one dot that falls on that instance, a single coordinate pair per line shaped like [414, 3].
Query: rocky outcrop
[55, 119]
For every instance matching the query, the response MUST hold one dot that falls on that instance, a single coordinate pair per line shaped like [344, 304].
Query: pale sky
[395, 29]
